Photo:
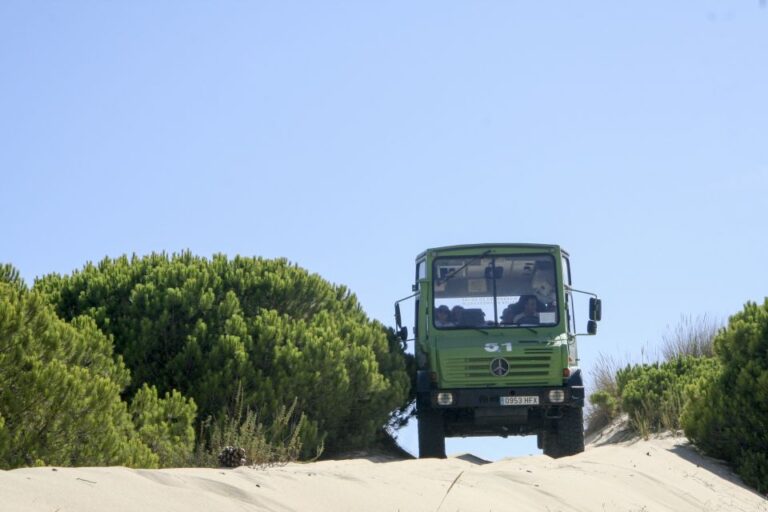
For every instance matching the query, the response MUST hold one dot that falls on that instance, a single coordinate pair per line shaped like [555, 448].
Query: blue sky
[350, 136]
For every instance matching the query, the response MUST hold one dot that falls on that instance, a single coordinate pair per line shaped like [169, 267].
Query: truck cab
[496, 346]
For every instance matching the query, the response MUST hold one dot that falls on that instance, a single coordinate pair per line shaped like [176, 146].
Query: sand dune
[635, 476]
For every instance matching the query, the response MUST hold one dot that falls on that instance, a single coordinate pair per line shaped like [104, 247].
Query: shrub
[604, 401]
[654, 395]
[730, 415]
[604, 409]
[278, 443]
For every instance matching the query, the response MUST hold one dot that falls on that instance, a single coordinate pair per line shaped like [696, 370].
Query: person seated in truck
[457, 315]
[542, 287]
[443, 317]
[530, 312]
[513, 310]
[509, 313]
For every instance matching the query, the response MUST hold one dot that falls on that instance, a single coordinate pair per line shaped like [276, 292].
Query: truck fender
[576, 384]
[423, 381]
[575, 380]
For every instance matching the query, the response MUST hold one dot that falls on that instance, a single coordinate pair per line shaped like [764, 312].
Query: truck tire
[568, 437]
[431, 431]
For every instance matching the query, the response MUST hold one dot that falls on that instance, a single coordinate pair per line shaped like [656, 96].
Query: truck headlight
[557, 396]
[444, 398]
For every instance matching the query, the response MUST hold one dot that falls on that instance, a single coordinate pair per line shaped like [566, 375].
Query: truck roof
[501, 245]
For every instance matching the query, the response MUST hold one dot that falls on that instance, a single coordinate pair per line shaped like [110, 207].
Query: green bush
[605, 401]
[729, 415]
[654, 395]
[604, 409]
[206, 327]
[604, 404]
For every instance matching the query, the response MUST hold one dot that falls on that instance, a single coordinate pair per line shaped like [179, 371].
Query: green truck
[495, 346]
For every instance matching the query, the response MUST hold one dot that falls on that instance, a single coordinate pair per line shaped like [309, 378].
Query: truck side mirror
[591, 327]
[595, 309]
[401, 331]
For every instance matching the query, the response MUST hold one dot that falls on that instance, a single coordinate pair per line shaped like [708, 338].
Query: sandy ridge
[665, 474]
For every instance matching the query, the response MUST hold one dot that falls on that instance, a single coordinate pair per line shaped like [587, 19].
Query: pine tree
[208, 327]
[60, 390]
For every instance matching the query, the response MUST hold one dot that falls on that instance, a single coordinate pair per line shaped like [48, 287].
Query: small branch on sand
[449, 490]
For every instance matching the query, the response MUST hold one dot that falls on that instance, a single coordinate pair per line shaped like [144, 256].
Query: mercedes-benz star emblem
[499, 367]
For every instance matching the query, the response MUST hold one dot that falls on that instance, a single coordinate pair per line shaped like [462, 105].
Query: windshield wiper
[465, 265]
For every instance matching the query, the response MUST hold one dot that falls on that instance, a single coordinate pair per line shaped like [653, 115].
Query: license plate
[519, 400]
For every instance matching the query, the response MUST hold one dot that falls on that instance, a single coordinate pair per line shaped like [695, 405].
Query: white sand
[633, 476]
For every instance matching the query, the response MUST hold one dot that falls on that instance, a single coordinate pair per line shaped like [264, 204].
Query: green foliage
[729, 415]
[205, 327]
[721, 402]
[391, 364]
[604, 402]
[605, 408]
[165, 425]
[10, 275]
[654, 395]
[60, 390]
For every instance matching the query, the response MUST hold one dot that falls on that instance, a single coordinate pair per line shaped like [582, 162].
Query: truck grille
[531, 367]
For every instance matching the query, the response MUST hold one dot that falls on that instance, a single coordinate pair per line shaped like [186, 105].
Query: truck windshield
[497, 291]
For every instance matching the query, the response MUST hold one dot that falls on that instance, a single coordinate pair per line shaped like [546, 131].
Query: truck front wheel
[431, 431]
[568, 437]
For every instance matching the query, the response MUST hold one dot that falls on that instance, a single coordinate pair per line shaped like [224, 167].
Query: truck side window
[571, 320]
[421, 271]
[421, 274]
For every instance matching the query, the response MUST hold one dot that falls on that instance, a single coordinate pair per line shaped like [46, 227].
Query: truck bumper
[479, 412]
[572, 396]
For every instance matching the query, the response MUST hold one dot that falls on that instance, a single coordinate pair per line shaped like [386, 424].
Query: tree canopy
[208, 328]
[60, 386]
